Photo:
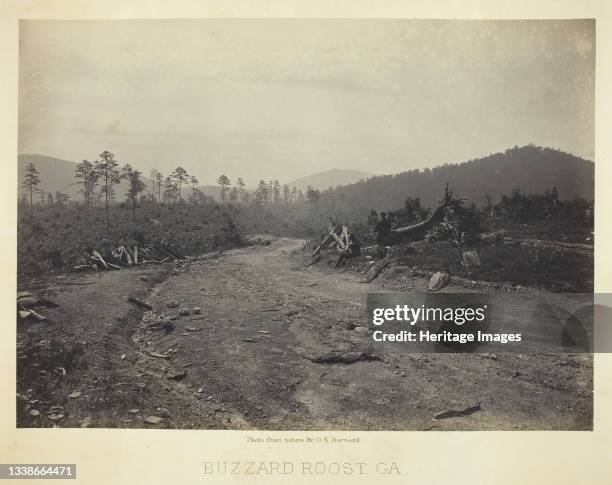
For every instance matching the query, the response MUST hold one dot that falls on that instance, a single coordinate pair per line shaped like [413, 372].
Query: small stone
[403, 374]
[86, 422]
[172, 304]
[55, 417]
[123, 356]
[144, 278]
[154, 420]
[184, 312]
[176, 375]
[197, 310]
[75, 395]
[200, 390]
[134, 411]
[34, 412]
[163, 412]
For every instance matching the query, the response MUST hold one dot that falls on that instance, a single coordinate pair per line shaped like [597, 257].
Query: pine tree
[181, 176]
[135, 186]
[160, 180]
[31, 182]
[106, 168]
[241, 191]
[194, 188]
[225, 184]
[86, 176]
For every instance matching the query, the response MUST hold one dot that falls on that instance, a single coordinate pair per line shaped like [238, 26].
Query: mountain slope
[329, 178]
[531, 169]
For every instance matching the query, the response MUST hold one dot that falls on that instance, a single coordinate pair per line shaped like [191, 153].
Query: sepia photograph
[209, 208]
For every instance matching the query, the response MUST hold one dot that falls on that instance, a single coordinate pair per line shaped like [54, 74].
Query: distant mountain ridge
[530, 169]
[330, 178]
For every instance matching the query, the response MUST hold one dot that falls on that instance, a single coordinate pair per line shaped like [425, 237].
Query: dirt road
[248, 360]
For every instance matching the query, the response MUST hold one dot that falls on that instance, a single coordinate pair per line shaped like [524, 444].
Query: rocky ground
[243, 341]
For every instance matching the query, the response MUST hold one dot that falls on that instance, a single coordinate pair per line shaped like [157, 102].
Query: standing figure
[382, 230]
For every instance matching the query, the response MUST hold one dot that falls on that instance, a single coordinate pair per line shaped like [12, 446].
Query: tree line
[98, 179]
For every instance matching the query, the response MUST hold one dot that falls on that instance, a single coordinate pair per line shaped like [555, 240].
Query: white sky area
[280, 99]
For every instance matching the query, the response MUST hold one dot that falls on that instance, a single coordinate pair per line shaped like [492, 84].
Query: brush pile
[126, 256]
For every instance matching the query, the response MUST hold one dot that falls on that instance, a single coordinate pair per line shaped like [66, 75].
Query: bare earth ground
[248, 357]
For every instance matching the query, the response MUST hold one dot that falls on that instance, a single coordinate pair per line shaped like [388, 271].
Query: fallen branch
[454, 413]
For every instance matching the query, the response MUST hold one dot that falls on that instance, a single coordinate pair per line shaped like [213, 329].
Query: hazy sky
[286, 98]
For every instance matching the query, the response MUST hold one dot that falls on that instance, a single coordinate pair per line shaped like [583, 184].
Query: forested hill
[330, 178]
[531, 169]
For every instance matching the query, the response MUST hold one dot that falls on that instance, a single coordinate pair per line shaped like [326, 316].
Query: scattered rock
[176, 375]
[340, 357]
[34, 412]
[123, 356]
[154, 420]
[75, 395]
[488, 355]
[172, 304]
[291, 313]
[85, 422]
[439, 280]
[140, 303]
[163, 412]
[197, 310]
[134, 411]
[144, 278]
[184, 312]
[55, 417]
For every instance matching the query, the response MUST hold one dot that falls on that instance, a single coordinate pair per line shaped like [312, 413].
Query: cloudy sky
[265, 99]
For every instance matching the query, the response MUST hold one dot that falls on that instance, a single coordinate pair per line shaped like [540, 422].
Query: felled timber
[338, 238]
[417, 231]
[376, 269]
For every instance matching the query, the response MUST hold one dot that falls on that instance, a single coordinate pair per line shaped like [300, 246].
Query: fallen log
[82, 267]
[417, 231]
[376, 269]
[453, 413]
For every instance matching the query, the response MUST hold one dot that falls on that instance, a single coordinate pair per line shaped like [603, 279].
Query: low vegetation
[55, 233]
